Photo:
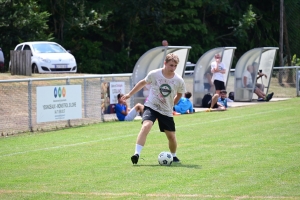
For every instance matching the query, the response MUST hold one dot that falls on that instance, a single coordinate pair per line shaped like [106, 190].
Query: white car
[189, 68]
[48, 57]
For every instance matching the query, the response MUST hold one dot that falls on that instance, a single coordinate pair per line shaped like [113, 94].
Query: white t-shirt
[217, 75]
[146, 90]
[163, 91]
[247, 74]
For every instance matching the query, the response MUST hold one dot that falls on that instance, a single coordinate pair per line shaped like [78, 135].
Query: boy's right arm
[135, 89]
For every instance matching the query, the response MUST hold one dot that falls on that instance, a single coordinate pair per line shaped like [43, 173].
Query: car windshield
[48, 48]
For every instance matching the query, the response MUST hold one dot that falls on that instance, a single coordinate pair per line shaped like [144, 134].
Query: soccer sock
[174, 154]
[138, 149]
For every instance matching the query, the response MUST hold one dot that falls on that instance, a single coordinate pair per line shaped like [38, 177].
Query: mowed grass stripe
[243, 153]
[179, 127]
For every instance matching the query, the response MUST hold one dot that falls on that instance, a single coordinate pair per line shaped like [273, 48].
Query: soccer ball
[165, 158]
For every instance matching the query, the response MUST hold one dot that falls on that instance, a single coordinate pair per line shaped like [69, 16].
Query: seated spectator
[218, 103]
[260, 74]
[184, 105]
[248, 83]
[124, 113]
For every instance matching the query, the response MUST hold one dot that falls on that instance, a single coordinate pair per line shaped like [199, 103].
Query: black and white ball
[165, 158]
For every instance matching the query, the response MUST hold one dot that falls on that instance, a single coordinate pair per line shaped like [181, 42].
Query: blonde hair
[172, 57]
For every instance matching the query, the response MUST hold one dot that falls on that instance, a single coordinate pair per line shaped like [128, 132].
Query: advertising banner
[58, 103]
[115, 89]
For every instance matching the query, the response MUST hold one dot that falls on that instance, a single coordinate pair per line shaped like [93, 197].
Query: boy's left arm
[177, 98]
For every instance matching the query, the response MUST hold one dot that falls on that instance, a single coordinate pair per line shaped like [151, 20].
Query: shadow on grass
[173, 165]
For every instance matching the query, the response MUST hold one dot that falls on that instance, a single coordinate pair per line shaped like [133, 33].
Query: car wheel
[35, 69]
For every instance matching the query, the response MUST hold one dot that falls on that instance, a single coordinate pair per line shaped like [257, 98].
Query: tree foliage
[109, 36]
[21, 20]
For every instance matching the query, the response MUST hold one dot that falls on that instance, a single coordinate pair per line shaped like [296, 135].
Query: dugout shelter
[262, 58]
[203, 66]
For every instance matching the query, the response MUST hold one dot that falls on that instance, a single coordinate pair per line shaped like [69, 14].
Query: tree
[76, 25]
[21, 20]
[109, 36]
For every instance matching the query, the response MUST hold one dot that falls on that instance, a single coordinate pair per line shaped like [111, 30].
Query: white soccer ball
[165, 158]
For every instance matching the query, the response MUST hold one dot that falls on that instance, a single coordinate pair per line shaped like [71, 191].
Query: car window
[19, 48]
[48, 48]
[26, 47]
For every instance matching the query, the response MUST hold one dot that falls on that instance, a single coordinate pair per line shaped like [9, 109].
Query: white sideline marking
[130, 194]
[244, 116]
[67, 145]
[124, 136]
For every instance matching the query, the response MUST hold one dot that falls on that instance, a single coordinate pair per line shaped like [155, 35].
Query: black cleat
[176, 160]
[135, 158]
[269, 96]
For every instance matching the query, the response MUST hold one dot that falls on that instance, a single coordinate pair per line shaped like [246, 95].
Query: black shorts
[164, 122]
[209, 104]
[220, 85]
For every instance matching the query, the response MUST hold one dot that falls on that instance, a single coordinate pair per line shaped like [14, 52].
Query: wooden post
[20, 63]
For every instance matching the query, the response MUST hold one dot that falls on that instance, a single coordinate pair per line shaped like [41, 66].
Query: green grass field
[248, 152]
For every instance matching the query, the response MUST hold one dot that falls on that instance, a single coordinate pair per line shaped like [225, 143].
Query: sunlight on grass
[246, 152]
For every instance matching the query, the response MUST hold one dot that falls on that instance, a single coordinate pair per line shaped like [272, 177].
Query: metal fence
[18, 102]
[18, 98]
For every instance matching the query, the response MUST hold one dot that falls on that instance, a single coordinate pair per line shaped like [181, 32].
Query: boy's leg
[167, 125]
[172, 141]
[142, 136]
[141, 140]
[214, 100]
[172, 144]
[149, 117]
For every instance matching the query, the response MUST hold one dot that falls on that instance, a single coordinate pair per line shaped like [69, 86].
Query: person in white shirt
[167, 88]
[218, 69]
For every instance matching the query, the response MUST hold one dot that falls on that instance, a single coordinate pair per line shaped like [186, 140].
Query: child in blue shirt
[184, 105]
[124, 113]
[218, 103]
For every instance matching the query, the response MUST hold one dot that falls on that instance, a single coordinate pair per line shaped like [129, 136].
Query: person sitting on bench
[260, 74]
[248, 83]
